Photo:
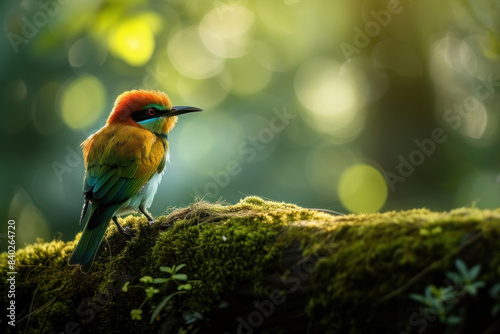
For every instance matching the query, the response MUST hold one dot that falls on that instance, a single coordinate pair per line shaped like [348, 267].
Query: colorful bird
[124, 164]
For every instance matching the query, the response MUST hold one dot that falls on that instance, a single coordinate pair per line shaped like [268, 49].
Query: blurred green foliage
[346, 105]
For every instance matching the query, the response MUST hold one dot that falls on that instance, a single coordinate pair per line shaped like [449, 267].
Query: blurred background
[354, 106]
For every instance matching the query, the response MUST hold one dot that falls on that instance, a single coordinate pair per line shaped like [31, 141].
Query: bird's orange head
[150, 109]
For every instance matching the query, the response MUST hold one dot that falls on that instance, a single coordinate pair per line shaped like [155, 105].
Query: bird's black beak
[179, 110]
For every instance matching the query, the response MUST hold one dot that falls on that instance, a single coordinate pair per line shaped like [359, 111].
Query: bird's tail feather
[86, 249]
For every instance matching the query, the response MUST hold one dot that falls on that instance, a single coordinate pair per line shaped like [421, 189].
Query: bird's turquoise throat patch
[155, 125]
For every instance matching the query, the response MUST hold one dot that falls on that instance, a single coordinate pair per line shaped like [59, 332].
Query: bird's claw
[124, 230]
[150, 219]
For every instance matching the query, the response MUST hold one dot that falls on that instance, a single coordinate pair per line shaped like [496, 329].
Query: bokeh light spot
[330, 99]
[477, 118]
[191, 58]
[30, 220]
[227, 35]
[133, 40]
[84, 55]
[79, 53]
[362, 188]
[82, 102]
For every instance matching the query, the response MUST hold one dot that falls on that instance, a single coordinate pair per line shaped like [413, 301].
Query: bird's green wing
[119, 161]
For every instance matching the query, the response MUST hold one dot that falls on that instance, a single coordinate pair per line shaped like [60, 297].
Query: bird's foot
[123, 230]
[146, 214]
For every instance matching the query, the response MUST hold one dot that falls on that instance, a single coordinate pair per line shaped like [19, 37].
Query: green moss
[334, 271]
[383, 251]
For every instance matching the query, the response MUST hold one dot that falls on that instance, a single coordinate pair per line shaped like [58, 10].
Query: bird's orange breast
[120, 146]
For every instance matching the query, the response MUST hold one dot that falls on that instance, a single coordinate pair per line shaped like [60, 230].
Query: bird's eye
[151, 111]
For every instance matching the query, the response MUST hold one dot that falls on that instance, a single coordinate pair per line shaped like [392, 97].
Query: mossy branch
[261, 266]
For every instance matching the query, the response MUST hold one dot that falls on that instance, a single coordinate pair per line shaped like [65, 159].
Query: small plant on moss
[183, 285]
[437, 301]
[441, 300]
[466, 278]
[495, 294]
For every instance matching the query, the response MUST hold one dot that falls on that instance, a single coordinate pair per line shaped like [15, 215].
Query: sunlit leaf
[166, 269]
[179, 267]
[162, 304]
[161, 280]
[146, 279]
[180, 277]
